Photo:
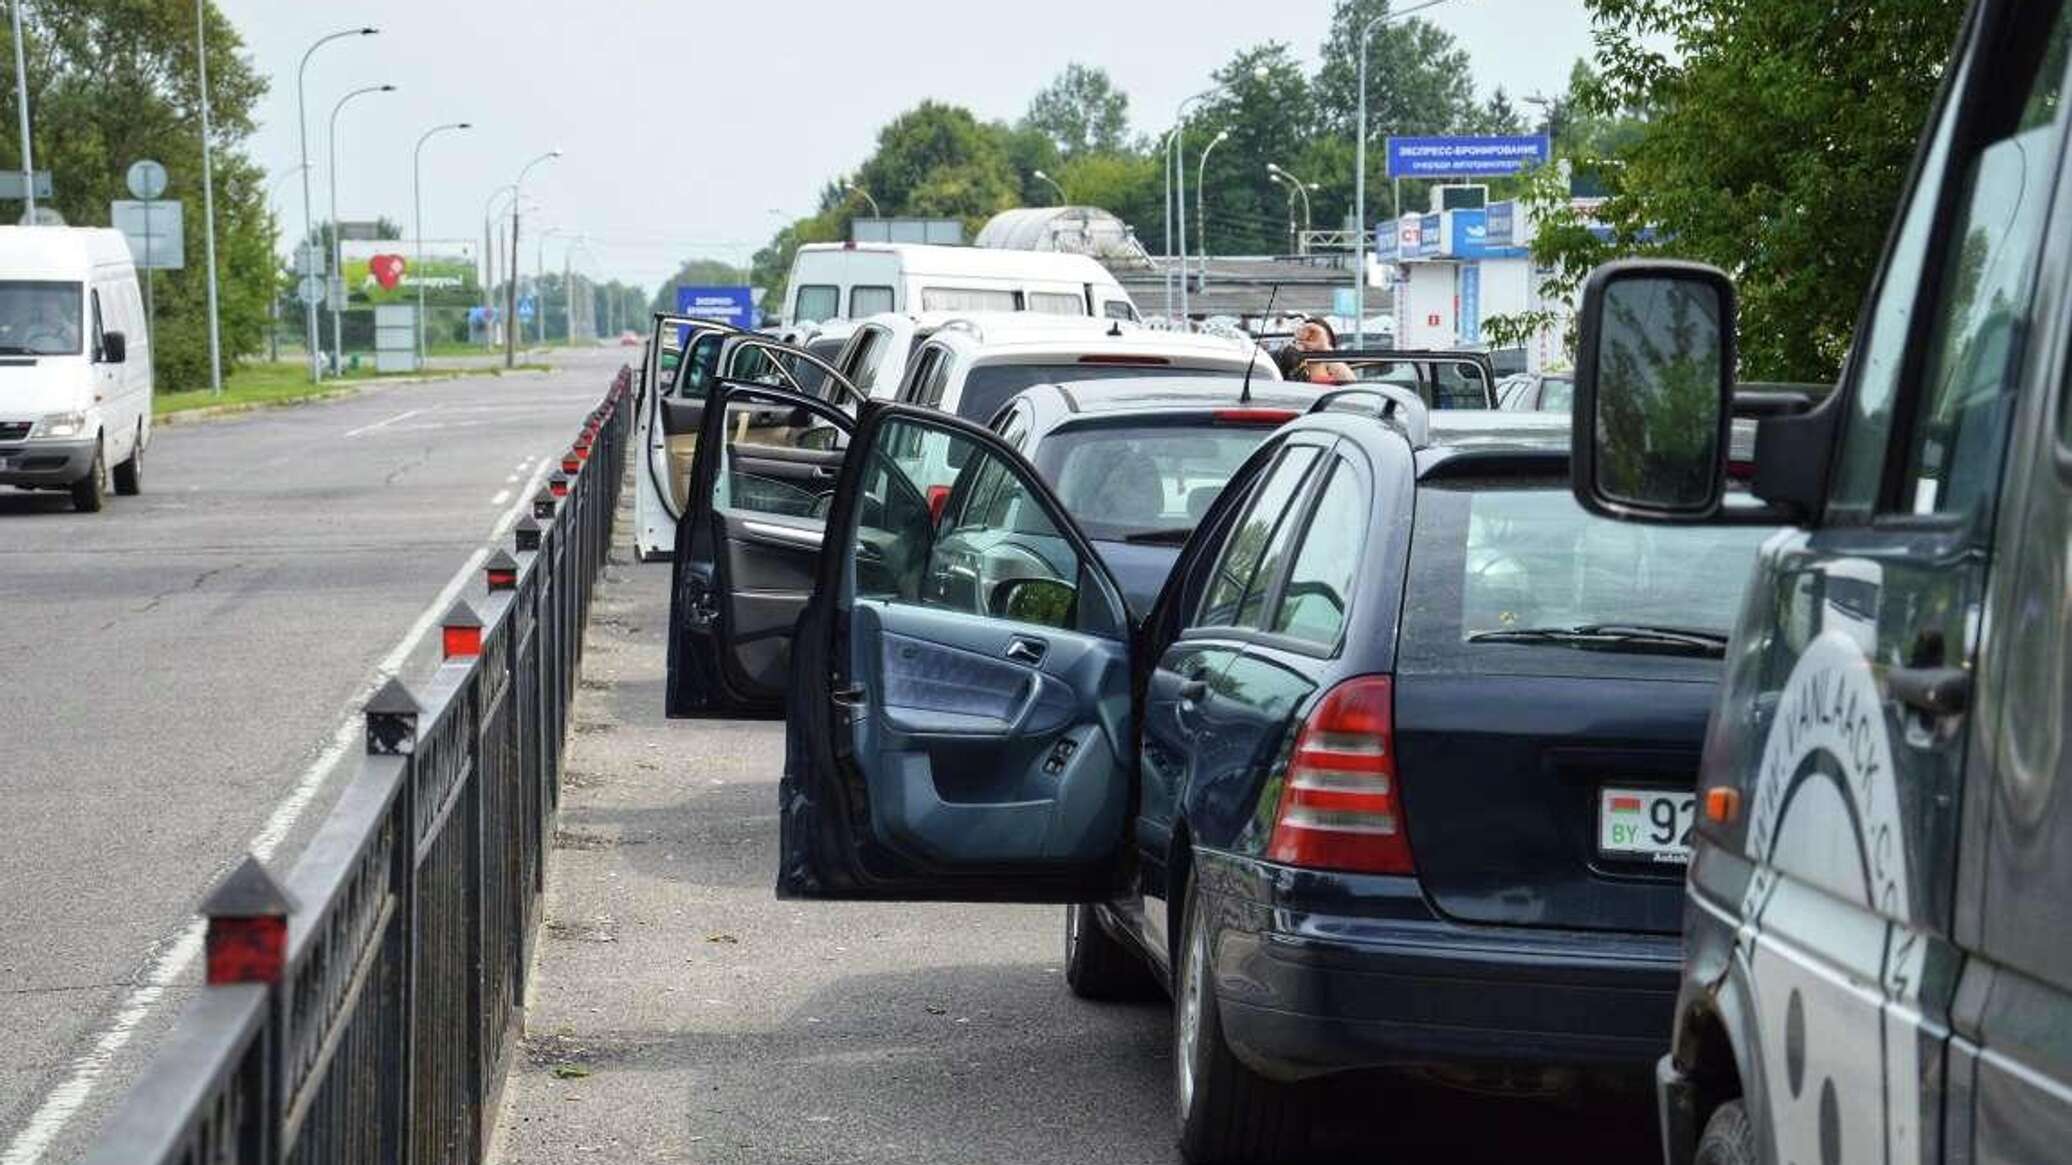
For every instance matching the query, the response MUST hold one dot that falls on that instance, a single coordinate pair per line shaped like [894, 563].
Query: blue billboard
[1469, 309]
[1466, 157]
[728, 305]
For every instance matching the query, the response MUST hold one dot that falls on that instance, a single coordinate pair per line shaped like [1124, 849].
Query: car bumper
[1307, 986]
[47, 463]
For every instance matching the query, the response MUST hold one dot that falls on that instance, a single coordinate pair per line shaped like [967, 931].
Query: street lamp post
[511, 293]
[1295, 186]
[1360, 177]
[417, 219]
[489, 217]
[309, 225]
[337, 248]
[1176, 161]
[1040, 176]
[208, 194]
[273, 301]
[1201, 210]
[21, 102]
[875, 212]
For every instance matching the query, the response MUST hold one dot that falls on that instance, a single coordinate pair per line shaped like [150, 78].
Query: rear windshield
[40, 318]
[1143, 483]
[988, 386]
[1493, 562]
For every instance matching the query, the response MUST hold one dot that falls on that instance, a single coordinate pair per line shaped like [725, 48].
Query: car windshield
[988, 386]
[1501, 562]
[1142, 482]
[40, 318]
[1557, 393]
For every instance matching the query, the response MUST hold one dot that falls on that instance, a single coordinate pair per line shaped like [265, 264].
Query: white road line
[176, 954]
[502, 496]
[404, 416]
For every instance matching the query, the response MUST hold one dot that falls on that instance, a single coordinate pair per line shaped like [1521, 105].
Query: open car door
[1442, 379]
[761, 479]
[960, 723]
[665, 455]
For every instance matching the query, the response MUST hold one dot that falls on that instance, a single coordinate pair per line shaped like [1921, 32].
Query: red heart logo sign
[387, 270]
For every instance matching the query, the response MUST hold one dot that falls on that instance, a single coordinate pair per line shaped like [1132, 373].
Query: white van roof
[927, 259]
[60, 252]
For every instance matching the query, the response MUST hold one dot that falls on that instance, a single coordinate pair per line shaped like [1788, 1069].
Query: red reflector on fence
[246, 950]
[559, 485]
[570, 463]
[462, 641]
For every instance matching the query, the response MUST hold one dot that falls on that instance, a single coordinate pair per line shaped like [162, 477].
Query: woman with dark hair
[1314, 335]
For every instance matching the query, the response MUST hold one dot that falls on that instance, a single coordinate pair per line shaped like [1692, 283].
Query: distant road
[175, 667]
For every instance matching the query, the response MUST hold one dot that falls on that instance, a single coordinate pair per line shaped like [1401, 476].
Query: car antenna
[1244, 394]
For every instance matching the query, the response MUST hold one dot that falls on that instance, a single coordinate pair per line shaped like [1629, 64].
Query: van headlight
[59, 425]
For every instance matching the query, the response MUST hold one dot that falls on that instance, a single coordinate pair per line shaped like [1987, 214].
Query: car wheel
[90, 493]
[1228, 1113]
[129, 475]
[1097, 966]
[1729, 1138]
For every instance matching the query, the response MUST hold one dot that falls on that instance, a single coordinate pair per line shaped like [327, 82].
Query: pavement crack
[400, 470]
[199, 581]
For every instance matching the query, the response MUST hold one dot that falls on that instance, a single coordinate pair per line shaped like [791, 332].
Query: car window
[1988, 283]
[969, 299]
[816, 302]
[1116, 309]
[694, 374]
[989, 385]
[775, 467]
[1320, 583]
[95, 297]
[1557, 394]
[1143, 482]
[1245, 557]
[1013, 427]
[869, 301]
[1057, 303]
[992, 539]
[862, 369]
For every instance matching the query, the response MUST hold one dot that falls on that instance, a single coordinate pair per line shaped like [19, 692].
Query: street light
[539, 282]
[309, 225]
[208, 192]
[853, 188]
[1176, 169]
[1360, 177]
[511, 293]
[273, 301]
[417, 218]
[21, 101]
[1040, 176]
[1295, 186]
[337, 249]
[1201, 209]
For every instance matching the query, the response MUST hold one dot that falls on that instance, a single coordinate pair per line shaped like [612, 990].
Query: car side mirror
[114, 348]
[1047, 602]
[1654, 391]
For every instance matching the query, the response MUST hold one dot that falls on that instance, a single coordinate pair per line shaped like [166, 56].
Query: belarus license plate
[1648, 825]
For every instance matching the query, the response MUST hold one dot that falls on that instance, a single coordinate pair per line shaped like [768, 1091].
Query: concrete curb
[218, 412]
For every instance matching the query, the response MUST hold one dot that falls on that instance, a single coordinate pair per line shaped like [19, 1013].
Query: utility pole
[21, 102]
[511, 296]
[337, 243]
[208, 194]
[309, 217]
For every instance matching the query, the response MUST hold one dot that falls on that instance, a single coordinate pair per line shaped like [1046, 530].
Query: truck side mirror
[1654, 390]
[114, 348]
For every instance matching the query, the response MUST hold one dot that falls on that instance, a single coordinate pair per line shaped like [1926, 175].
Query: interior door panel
[991, 755]
[767, 577]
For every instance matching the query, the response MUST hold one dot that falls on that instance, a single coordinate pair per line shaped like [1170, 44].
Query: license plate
[1647, 825]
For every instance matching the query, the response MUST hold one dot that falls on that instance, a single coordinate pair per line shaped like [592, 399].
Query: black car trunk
[1501, 777]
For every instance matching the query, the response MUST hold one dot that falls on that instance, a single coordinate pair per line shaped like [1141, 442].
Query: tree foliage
[1081, 112]
[1779, 134]
[115, 81]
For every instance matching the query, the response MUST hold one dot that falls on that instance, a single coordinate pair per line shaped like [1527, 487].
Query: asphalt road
[679, 1013]
[175, 666]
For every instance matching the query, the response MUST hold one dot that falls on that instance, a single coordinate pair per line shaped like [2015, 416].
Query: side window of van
[1056, 303]
[1117, 309]
[969, 299]
[869, 301]
[816, 302]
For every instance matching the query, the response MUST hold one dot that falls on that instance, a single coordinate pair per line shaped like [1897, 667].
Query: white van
[75, 364]
[854, 280]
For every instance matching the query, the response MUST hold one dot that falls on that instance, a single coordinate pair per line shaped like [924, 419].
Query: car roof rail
[1390, 403]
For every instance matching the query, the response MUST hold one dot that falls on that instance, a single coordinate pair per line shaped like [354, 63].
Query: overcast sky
[687, 122]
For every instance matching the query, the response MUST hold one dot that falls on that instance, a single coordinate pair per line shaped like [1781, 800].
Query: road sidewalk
[679, 1012]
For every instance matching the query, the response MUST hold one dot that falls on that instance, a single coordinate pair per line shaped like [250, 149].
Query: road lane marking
[502, 496]
[403, 416]
[176, 954]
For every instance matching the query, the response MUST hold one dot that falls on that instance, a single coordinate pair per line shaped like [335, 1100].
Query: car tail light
[1254, 416]
[1339, 806]
[938, 497]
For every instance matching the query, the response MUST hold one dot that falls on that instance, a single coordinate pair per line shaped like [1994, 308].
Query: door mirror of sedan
[114, 348]
[1654, 389]
[1045, 601]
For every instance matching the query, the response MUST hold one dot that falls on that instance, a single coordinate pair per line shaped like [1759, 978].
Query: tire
[129, 475]
[1097, 966]
[1228, 1114]
[1729, 1138]
[90, 493]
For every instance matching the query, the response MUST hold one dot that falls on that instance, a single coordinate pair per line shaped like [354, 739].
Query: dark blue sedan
[1395, 772]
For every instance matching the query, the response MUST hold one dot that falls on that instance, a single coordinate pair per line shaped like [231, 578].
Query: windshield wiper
[18, 350]
[1614, 637]
[1158, 537]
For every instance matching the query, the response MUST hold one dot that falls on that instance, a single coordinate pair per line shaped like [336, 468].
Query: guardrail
[366, 1009]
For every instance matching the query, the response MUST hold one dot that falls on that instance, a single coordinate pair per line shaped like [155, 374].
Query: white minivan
[75, 364]
[854, 280]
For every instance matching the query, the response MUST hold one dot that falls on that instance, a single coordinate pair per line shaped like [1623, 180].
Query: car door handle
[853, 696]
[1936, 691]
[824, 471]
[1029, 651]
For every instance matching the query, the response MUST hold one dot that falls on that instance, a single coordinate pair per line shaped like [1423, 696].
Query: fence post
[392, 715]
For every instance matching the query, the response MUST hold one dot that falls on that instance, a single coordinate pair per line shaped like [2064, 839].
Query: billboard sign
[1466, 157]
[156, 232]
[728, 304]
[1469, 309]
[1500, 224]
[385, 271]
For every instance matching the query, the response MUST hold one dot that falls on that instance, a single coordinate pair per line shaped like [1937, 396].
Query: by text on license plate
[1648, 825]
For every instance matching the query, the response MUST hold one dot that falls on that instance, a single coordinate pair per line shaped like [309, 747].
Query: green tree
[937, 160]
[1418, 77]
[1128, 185]
[114, 81]
[1080, 112]
[1269, 119]
[1778, 138]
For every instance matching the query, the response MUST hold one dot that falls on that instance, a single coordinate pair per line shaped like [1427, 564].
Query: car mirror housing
[114, 348]
[1654, 391]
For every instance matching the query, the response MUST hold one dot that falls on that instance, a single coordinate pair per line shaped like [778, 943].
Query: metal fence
[365, 1009]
